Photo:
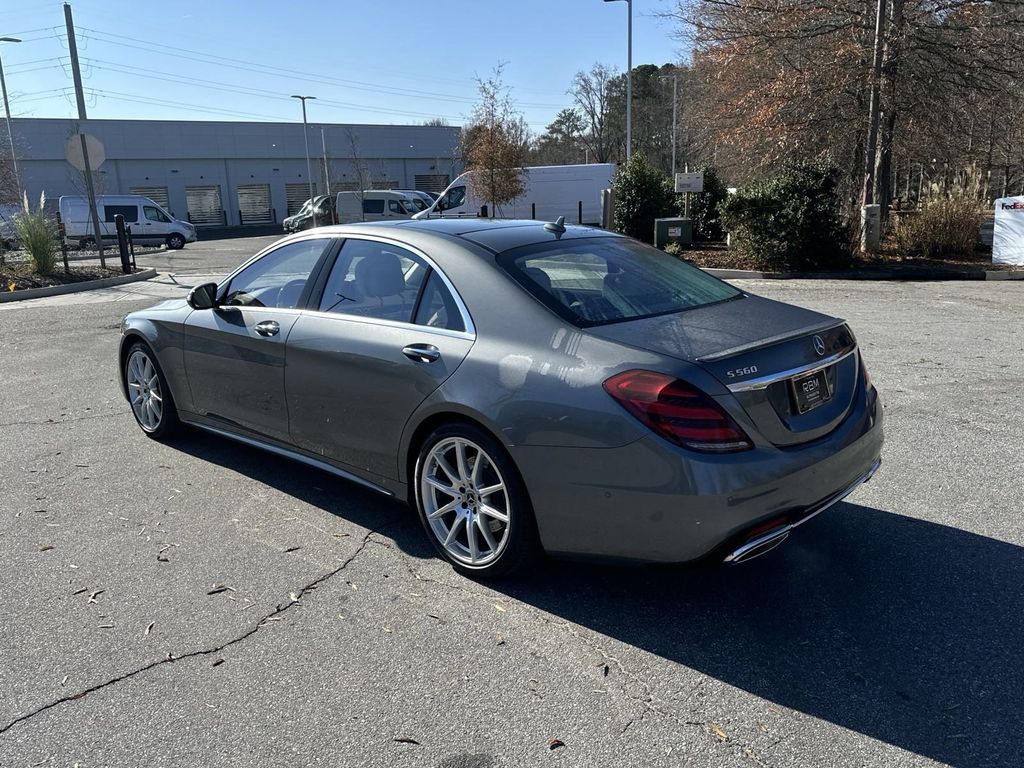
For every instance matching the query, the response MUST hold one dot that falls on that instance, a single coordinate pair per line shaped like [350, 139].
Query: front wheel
[148, 393]
[175, 242]
[473, 504]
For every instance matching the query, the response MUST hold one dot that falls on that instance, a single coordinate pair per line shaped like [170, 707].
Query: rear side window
[373, 206]
[374, 279]
[130, 213]
[595, 281]
[437, 307]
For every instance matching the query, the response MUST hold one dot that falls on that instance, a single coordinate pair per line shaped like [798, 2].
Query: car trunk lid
[793, 371]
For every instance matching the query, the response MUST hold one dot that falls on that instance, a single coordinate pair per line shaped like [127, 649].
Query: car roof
[496, 235]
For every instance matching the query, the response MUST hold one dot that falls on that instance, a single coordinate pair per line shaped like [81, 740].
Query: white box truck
[149, 222]
[549, 191]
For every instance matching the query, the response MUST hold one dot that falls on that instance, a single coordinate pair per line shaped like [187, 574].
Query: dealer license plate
[810, 391]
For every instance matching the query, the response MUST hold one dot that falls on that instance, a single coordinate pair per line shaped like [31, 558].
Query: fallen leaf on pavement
[94, 595]
[501, 608]
[162, 558]
[294, 596]
[405, 740]
[555, 744]
[150, 627]
[718, 732]
[64, 680]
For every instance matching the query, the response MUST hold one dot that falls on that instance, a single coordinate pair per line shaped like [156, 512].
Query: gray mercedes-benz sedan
[527, 387]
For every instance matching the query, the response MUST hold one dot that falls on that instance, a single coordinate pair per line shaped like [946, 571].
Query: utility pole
[327, 173]
[7, 111]
[874, 106]
[629, 77]
[305, 138]
[675, 112]
[80, 96]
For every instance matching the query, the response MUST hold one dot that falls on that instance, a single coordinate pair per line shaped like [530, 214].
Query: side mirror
[203, 296]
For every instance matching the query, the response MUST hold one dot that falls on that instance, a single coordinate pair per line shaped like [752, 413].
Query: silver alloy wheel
[144, 390]
[465, 501]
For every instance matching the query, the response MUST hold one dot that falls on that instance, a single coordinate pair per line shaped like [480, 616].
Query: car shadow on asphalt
[906, 631]
[903, 630]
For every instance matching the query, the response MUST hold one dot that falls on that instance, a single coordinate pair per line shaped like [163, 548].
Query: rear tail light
[677, 411]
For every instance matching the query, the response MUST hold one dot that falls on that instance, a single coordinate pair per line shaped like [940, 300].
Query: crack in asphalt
[49, 422]
[171, 658]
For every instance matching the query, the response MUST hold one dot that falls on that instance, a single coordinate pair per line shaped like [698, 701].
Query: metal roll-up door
[157, 194]
[254, 204]
[204, 206]
[432, 182]
[296, 195]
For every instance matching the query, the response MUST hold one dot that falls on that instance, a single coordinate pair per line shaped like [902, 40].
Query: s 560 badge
[737, 372]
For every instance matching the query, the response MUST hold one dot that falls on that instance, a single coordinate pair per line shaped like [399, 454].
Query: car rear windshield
[595, 281]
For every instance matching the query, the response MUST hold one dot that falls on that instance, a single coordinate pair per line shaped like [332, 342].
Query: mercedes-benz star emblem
[819, 345]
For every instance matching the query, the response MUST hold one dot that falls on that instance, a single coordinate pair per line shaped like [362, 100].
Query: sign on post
[1008, 232]
[690, 182]
[73, 152]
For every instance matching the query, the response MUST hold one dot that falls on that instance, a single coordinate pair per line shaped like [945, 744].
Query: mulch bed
[14, 278]
[717, 256]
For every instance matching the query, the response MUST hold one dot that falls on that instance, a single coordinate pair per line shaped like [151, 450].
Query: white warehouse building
[235, 173]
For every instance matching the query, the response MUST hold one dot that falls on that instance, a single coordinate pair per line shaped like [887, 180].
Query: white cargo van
[373, 205]
[150, 223]
[549, 191]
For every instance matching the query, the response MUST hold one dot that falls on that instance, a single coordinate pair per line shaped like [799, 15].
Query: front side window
[277, 279]
[130, 213]
[155, 214]
[374, 280]
[594, 281]
[396, 208]
[373, 206]
[453, 198]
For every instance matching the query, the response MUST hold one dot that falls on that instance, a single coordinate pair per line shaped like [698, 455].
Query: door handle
[422, 353]
[268, 328]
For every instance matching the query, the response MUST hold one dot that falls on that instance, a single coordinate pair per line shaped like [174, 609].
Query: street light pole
[675, 112]
[7, 112]
[629, 76]
[305, 137]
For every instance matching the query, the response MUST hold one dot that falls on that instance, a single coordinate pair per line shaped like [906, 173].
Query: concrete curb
[86, 285]
[864, 274]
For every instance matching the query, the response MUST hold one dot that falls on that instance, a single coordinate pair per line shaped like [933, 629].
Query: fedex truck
[549, 191]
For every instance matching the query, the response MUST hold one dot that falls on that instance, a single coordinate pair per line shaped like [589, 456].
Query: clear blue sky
[367, 62]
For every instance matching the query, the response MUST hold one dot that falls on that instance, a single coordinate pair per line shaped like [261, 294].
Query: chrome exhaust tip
[759, 546]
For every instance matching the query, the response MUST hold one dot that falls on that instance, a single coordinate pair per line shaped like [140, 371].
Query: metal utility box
[679, 231]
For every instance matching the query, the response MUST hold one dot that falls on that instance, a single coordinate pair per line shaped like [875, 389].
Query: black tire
[175, 242]
[86, 243]
[519, 544]
[167, 423]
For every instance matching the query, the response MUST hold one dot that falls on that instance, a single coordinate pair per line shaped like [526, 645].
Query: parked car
[422, 200]
[373, 205]
[550, 191]
[303, 219]
[149, 222]
[8, 237]
[526, 387]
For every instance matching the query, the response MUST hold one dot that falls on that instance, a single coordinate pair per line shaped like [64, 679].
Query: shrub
[642, 194]
[38, 236]
[942, 228]
[704, 208]
[790, 221]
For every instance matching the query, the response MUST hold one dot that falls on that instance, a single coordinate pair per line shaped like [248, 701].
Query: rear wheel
[86, 243]
[473, 504]
[148, 393]
[175, 242]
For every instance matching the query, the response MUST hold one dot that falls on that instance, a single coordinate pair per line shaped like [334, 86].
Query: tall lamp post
[305, 137]
[629, 76]
[7, 111]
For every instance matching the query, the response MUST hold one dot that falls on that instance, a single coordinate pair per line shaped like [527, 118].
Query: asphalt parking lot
[200, 603]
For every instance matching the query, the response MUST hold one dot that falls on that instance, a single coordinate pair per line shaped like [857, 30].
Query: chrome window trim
[368, 320]
[467, 320]
[763, 382]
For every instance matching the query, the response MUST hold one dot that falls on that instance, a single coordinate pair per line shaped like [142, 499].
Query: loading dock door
[296, 195]
[254, 204]
[204, 206]
[432, 182]
[157, 194]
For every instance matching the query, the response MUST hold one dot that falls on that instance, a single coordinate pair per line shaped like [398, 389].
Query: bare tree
[495, 144]
[360, 168]
[590, 92]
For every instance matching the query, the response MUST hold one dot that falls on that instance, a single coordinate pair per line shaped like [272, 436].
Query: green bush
[38, 236]
[642, 194]
[704, 208]
[790, 221]
[943, 228]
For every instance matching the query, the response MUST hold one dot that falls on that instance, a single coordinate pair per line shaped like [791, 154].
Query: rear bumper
[649, 501]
